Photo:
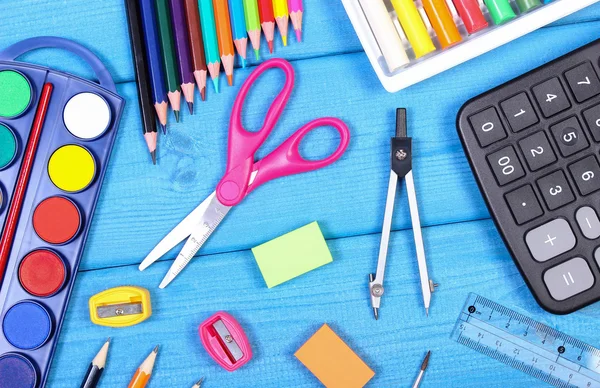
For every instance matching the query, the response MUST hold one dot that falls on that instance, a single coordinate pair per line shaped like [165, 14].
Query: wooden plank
[463, 258]
[141, 203]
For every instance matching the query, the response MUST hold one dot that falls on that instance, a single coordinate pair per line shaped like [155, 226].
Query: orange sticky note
[332, 361]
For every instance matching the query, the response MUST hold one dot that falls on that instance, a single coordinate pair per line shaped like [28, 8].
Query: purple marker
[183, 51]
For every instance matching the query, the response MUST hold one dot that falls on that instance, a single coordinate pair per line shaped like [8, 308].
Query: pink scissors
[243, 174]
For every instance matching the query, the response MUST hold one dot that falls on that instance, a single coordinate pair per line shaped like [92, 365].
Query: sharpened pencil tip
[199, 383]
[155, 350]
[164, 129]
[243, 63]
[191, 107]
[176, 113]
[426, 360]
[257, 54]
[427, 311]
[108, 340]
[270, 43]
[376, 313]
[153, 155]
[299, 35]
[284, 40]
[230, 79]
[203, 94]
[216, 84]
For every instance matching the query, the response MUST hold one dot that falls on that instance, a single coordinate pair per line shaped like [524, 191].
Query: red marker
[12, 219]
[471, 15]
[267, 21]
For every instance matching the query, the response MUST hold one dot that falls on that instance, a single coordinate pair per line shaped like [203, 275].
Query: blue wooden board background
[140, 203]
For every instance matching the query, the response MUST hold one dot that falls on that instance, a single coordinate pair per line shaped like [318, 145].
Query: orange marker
[442, 22]
[143, 373]
[224, 37]
[267, 21]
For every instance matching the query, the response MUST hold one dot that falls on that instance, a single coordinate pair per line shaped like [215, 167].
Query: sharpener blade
[228, 340]
[117, 310]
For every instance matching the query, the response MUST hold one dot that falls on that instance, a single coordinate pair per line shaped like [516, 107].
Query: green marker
[500, 10]
[15, 93]
[169, 57]
[253, 24]
[528, 5]
[211, 45]
[8, 147]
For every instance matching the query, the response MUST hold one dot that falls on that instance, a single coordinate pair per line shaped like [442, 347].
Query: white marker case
[470, 47]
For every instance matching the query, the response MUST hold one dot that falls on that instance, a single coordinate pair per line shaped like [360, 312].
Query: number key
[592, 119]
[586, 174]
[519, 112]
[555, 190]
[583, 81]
[569, 136]
[537, 150]
[505, 165]
[487, 126]
[551, 97]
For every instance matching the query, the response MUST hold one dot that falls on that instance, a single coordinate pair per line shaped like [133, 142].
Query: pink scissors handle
[286, 159]
[243, 144]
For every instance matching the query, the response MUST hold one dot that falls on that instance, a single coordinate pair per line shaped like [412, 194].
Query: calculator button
[487, 126]
[583, 81]
[555, 190]
[551, 97]
[506, 165]
[550, 240]
[592, 119]
[569, 136]
[569, 278]
[588, 221]
[519, 112]
[537, 150]
[586, 174]
[523, 204]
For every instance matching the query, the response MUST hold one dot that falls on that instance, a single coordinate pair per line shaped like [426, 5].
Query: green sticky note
[292, 254]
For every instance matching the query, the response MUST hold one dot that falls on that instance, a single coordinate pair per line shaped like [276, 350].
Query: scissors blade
[211, 218]
[177, 235]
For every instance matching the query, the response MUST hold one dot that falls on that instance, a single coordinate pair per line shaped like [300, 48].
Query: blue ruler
[527, 345]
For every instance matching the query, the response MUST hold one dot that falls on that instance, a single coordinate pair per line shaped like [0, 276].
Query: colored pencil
[142, 80]
[199, 383]
[94, 371]
[154, 58]
[238, 24]
[296, 10]
[267, 21]
[143, 373]
[196, 45]
[253, 24]
[182, 47]
[12, 219]
[211, 45]
[282, 16]
[169, 57]
[224, 37]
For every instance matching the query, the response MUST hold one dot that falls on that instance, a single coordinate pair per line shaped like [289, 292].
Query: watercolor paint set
[56, 135]
[408, 41]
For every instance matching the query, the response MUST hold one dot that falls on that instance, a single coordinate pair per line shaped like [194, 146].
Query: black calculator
[534, 147]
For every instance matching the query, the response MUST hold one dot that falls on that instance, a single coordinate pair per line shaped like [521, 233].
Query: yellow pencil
[280, 10]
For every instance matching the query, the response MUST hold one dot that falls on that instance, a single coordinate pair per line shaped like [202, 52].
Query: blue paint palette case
[56, 135]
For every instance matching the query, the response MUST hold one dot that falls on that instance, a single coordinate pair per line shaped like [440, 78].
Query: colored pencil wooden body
[12, 219]
[224, 37]
[182, 48]
[169, 57]
[267, 21]
[196, 45]
[142, 374]
[296, 11]
[442, 22]
[253, 24]
[282, 16]
[142, 79]
[94, 371]
[238, 25]
[156, 71]
[211, 44]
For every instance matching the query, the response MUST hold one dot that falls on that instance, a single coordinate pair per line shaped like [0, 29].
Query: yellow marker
[120, 306]
[280, 11]
[72, 168]
[413, 27]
